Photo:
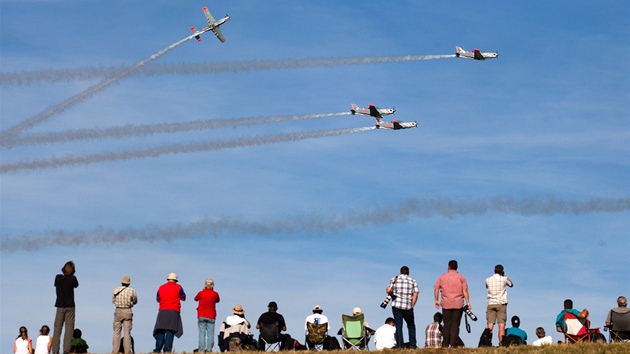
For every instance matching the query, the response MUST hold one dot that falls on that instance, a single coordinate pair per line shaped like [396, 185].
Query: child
[22, 344]
[44, 341]
[78, 345]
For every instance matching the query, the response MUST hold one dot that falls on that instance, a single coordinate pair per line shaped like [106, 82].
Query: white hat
[357, 311]
[209, 283]
[172, 276]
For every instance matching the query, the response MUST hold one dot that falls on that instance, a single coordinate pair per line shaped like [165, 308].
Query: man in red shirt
[454, 289]
[169, 322]
[206, 315]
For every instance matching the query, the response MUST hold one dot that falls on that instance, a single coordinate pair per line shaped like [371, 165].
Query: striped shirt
[124, 297]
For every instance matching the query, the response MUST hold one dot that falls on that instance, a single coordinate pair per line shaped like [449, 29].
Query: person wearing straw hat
[123, 297]
[234, 329]
[169, 322]
[206, 315]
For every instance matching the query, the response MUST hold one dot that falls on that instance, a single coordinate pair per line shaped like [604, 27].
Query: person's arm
[583, 314]
[466, 296]
[30, 346]
[436, 294]
[182, 294]
[14, 347]
[50, 340]
[414, 299]
[508, 282]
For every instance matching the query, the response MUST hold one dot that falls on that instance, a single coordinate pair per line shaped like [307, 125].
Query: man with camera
[403, 290]
[454, 290]
[497, 300]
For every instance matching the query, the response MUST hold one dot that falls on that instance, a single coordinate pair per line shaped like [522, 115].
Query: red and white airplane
[213, 25]
[378, 114]
[475, 54]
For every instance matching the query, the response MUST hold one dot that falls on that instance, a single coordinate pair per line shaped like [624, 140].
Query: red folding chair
[577, 329]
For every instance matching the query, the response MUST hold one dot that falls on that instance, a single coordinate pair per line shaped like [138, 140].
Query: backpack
[486, 338]
[331, 343]
[511, 340]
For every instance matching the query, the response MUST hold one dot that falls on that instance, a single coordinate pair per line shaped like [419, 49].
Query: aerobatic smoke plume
[75, 160]
[127, 131]
[24, 78]
[317, 224]
[89, 92]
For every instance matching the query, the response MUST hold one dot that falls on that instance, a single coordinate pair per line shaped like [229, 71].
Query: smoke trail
[318, 223]
[24, 78]
[91, 91]
[75, 160]
[126, 131]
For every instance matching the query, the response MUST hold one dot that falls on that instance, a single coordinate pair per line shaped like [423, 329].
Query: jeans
[408, 316]
[164, 339]
[206, 334]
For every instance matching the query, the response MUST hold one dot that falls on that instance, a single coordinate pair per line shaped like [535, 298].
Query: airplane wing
[478, 55]
[374, 112]
[397, 125]
[218, 33]
[209, 17]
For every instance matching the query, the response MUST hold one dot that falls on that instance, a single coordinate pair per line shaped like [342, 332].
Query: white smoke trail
[76, 160]
[24, 78]
[317, 223]
[126, 131]
[91, 91]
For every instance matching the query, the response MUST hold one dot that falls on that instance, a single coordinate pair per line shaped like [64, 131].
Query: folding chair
[316, 334]
[577, 329]
[619, 329]
[270, 337]
[354, 332]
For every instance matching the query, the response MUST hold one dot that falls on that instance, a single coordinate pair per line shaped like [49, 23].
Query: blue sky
[547, 121]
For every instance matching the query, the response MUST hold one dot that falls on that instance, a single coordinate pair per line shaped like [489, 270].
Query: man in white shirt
[385, 336]
[542, 339]
[316, 318]
[497, 300]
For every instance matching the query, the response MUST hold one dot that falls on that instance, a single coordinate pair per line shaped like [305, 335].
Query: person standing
[206, 315]
[169, 322]
[497, 300]
[123, 297]
[65, 283]
[454, 290]
[406, 291]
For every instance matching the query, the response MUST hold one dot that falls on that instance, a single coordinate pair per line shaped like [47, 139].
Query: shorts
[497, 313]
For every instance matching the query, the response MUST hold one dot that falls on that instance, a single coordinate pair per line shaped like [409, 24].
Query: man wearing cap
[271, 317]
[169, 322]
[516, 331]
[206, 315]
[123, 297]
[316, 318]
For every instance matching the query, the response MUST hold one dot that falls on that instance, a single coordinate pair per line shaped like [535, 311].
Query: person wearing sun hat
[169, 322]
[234, 326]
[206, 315]
[123, 297]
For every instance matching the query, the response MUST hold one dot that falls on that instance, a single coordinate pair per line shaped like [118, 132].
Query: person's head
[172, 278]
[44, 330]
[404, 270]
[498, 269]
[238, 310]
[622, 301]
[125, 281]
[452, 264]
[516, 321]
[437, 317]
[209, 284]
[68, 268]
[390, 321]
[356, 311]
[568, 304]
[77, 333]
[23, 333]
[540, 332]
[318, 309]
[273, 307]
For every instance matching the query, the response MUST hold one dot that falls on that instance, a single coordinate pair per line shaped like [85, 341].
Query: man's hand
[437, 304]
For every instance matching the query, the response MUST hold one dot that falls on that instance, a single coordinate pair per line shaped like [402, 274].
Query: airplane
[372, 111]
[378, 114]
[476, 54]
[213, 25]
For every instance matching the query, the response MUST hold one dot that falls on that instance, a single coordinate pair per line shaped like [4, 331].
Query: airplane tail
[459, 51]
[354, 108]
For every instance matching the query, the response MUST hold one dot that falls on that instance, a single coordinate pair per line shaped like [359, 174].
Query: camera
[389, 298]
[469, 313]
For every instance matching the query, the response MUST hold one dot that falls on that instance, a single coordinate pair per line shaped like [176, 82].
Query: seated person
[542, 339]
[316, 318]
[622, 308]
[234, 330]
[78, 344]
[385, 335]
[568, 307]
[515, 331]
[269, 318]
[434, 332]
